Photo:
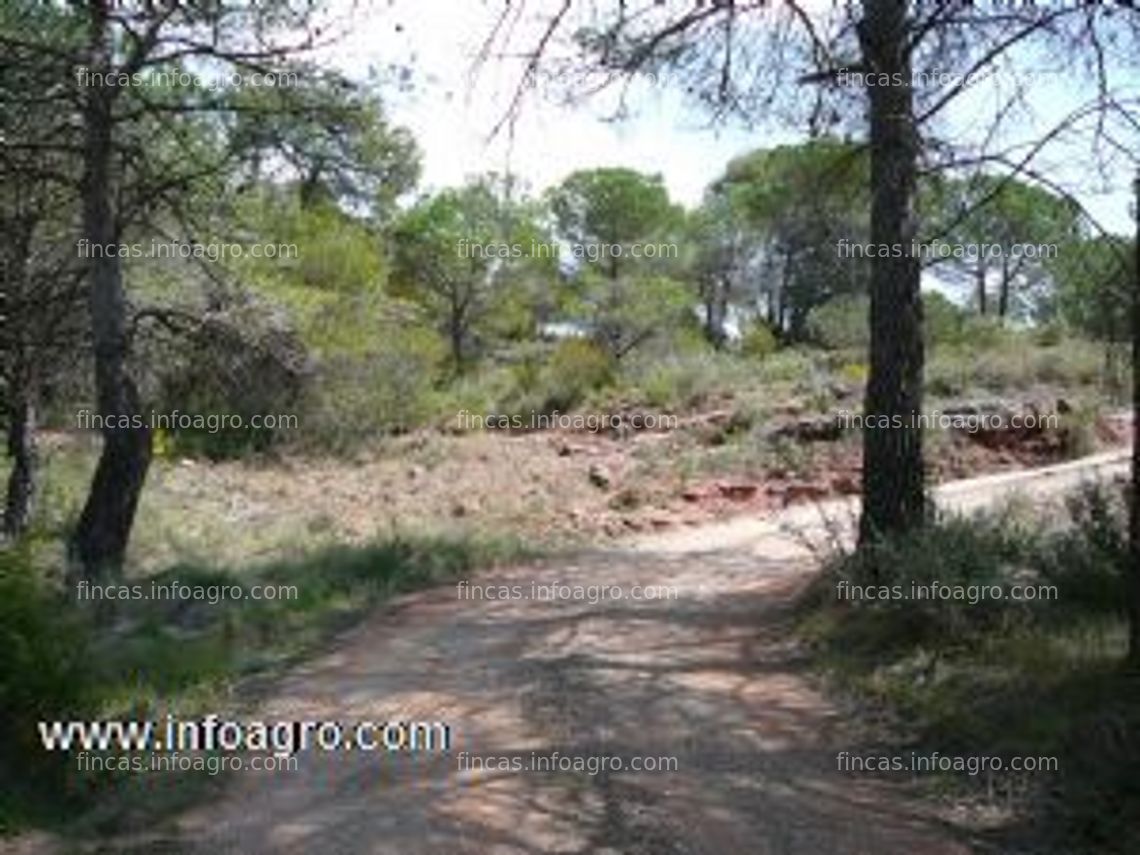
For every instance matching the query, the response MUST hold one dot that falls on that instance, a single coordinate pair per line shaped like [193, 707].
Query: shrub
[674, 384]
[682, 381]
[786, 366]
[1050, 334]
[243, 360]
[758, 341]
[943, 321]
[854, 372]
[986, 333]
[577, 367]
[971, 553]
[841, 323]
[44, 668]
[388, 389]
[1005, 678]
[1089, 561]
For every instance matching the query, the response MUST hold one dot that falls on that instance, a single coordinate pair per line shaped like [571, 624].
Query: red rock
[804, 491]
[737, 492]
[847, 485]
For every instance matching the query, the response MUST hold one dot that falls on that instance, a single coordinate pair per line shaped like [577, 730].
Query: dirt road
[709, 678]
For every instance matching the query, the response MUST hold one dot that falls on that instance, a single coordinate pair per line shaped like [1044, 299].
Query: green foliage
[720, 245]
[769, 180]
[390, 388]
[944, 322]
[334, 132]
[987, 333]
[623, 300]
[799, 202]
[612, 207]
[465, 255]
[685, 381]
[976, 554]
[999, 359]
[841, 323]
[1090, 560]
[1094, 279]
[335, 252]
[45, 674]
[758, 341]
[577, 367]
[234, 380]
[625, 314]
[1002, 212]
[1005, 678]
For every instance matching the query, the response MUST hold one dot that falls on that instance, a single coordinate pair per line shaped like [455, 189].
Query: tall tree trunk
[711, 329]
[785, 283]
[1003, 294]
[21, 380]
[20, 495]
[100, 540]
[716, 310]
[980, 279]
[1134, 514]
[894, 498]
[710, 319]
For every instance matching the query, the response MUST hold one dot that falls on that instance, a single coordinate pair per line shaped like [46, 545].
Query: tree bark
[100, 539]
[894, 498]
[1134, 499]
[980, 279]
[1003, 294]
[20, 495]
[716, 310]
[20, 380]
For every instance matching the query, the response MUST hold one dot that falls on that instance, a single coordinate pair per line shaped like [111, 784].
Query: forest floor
[551, 489]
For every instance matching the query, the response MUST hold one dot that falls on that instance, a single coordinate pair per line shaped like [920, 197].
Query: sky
[452, 107]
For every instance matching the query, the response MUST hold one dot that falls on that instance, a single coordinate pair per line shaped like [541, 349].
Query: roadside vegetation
[984, 676]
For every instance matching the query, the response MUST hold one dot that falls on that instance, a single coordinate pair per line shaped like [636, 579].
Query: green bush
[972, 553]
[44, 676]
[758, 341]
[238, 363]
[987, 333]
[386, 390]
[943, 321]
[841, 323]
[1090, 560]
[577, 367]
[1050, 334]
[674, 384]
[683, 381]
[787, 366]
[1002, 677]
